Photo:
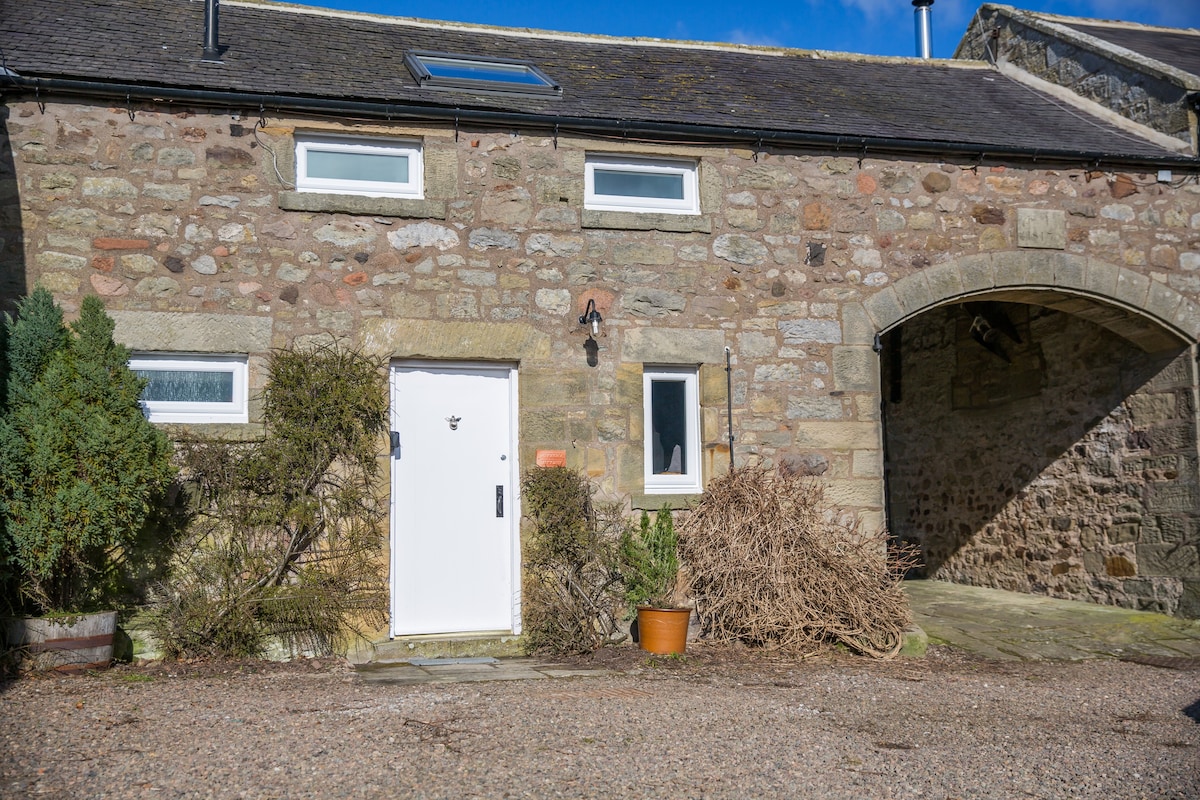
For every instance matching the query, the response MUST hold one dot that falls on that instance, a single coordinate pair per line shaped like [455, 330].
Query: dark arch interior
[1034, 449]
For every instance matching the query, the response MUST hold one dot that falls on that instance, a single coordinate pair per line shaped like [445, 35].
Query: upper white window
[354, 165]
[623, 183]
[192, 388]
[672, 413]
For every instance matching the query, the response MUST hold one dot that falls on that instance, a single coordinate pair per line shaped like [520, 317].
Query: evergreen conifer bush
[81, 468]
[287, 539]
[650, 561]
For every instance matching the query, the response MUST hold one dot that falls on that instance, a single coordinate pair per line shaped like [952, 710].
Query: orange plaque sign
[551, 458]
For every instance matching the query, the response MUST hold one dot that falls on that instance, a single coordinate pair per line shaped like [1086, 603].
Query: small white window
[192, 388]
[672, 422]
[352, 165]
[621, 183]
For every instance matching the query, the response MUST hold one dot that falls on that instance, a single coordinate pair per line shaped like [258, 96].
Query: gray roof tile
[284, 50]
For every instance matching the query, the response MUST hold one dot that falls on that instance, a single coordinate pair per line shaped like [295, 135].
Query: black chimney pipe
[212, 49]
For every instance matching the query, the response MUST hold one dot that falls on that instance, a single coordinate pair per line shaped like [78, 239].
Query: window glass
[358, 166]
[480, 71]
[638, 184]
[185, 386]
[668, 427]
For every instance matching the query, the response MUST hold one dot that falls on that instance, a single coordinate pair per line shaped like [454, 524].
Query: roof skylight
[455, 71]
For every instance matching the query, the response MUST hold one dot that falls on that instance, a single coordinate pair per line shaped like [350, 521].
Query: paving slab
[1010, 625]
[467, 670]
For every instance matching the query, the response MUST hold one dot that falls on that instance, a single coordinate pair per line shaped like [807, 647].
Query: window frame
[339, 143]
[427, 79]
[234, 411]
[689, 169]
[691, 482]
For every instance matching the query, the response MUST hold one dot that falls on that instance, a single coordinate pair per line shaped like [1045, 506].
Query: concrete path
[992, 623]
[1013, 626]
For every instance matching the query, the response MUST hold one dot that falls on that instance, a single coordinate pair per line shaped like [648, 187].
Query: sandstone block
[423, 234]
[1171, 560]
[855, 369]
[1041, 228]
[740, 249]
[669, 346]
[805, 331]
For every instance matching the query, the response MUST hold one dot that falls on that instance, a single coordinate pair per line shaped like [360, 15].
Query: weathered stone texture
[796, 262]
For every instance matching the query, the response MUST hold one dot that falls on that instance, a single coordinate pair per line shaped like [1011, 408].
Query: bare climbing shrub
[286, 542]
[772, 563]
[572, 584]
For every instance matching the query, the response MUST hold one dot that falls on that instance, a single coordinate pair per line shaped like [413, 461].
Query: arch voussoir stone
[1151, 314]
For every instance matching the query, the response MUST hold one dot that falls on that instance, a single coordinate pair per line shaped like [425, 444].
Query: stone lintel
[190, 332]
[488, 341]
[673, 346]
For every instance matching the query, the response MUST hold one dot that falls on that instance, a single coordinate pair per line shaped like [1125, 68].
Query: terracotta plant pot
[663, 630]
[70, 643]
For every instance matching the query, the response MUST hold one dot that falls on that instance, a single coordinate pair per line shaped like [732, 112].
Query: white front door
[454, 532]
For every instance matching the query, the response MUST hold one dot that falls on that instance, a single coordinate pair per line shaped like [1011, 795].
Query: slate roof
[293, 51]
[1175, 48]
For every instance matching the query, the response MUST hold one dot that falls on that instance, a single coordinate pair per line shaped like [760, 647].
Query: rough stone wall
[186, 224]
[1069, 470]
[1132, 88]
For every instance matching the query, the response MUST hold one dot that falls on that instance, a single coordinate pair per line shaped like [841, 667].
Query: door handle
[499, 501]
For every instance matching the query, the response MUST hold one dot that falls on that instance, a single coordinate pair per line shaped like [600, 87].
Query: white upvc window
[193, 388]
[358, 165]
[671, 406]
[627, 183]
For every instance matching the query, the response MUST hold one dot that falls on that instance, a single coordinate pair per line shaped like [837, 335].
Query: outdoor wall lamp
[591, 317]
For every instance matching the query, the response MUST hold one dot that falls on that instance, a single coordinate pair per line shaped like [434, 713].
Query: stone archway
[1067, 465]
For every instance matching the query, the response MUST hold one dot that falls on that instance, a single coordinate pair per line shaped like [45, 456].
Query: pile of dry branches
[771, 563]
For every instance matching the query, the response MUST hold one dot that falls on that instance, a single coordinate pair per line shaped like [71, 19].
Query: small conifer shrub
[81, 469]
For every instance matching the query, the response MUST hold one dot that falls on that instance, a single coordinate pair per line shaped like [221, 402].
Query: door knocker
[453, 422]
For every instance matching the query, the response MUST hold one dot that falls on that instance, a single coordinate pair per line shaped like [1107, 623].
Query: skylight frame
[542, 85]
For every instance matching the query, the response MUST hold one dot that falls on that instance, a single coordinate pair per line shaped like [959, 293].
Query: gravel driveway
[719, 724]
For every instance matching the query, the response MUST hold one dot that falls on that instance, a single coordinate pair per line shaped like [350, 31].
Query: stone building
[968, 306]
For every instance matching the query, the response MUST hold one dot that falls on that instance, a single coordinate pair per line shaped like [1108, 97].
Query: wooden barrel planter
[70, 643]
[663, 630]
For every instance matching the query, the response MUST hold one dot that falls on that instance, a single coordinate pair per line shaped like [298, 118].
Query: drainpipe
[212, 47]
[923, 11]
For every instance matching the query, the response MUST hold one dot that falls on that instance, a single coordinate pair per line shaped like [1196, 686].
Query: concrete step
[406, 648]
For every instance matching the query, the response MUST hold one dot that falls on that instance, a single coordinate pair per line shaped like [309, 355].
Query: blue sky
[879, 27]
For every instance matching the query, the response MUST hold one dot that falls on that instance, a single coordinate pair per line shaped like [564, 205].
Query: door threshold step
[410, 649]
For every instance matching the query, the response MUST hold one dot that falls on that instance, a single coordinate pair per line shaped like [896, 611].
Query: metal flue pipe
[212, 46]
[923, 12]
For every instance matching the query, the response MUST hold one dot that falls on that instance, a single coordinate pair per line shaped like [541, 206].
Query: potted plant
[650, 566]
[80, 469]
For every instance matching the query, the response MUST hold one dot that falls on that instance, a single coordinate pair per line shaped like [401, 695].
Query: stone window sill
[362, 206]
[654, 502]
[631, 221]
